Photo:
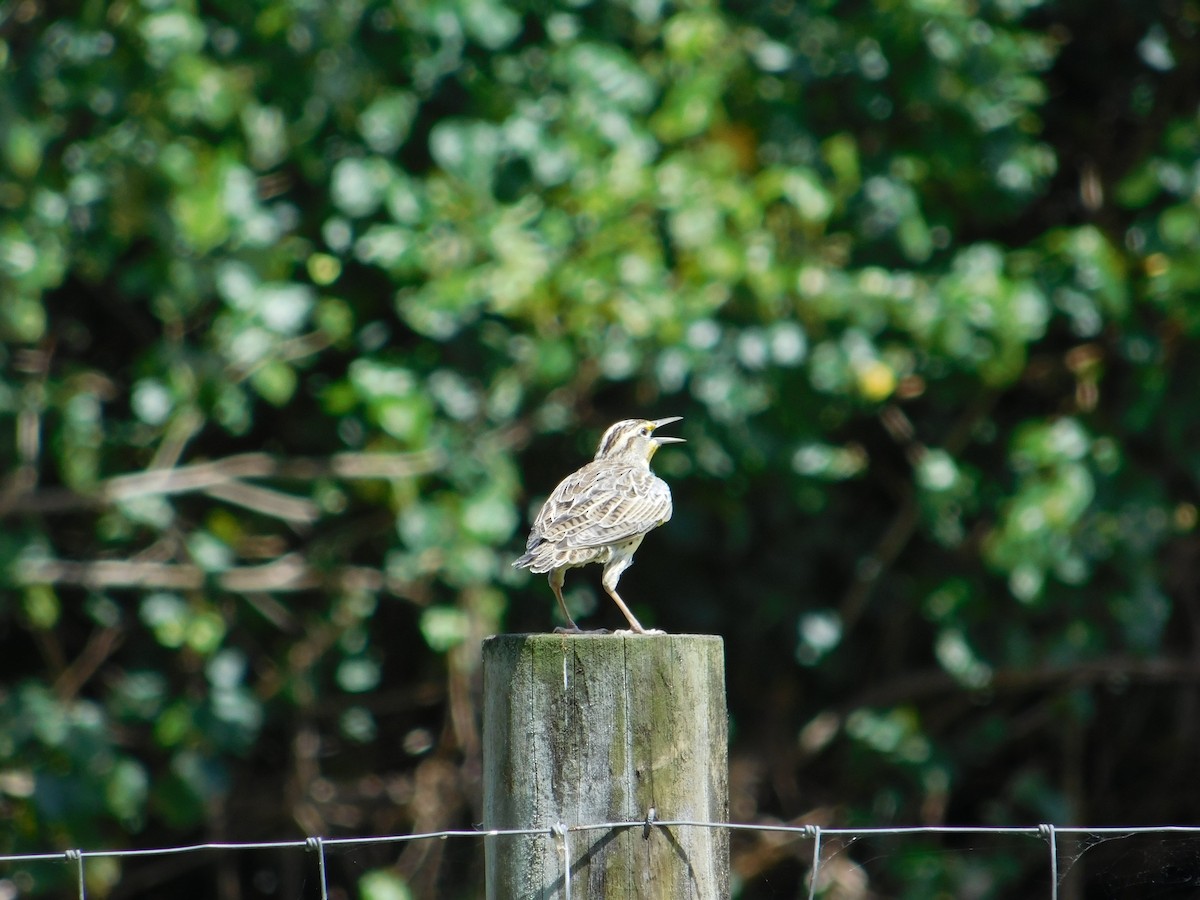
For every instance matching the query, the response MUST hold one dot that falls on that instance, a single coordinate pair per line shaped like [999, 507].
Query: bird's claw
[577, 630]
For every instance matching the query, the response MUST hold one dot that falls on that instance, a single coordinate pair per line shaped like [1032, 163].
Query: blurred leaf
[467, 149]
[359, 186]
[444, 627]
[167, 616]
[385, 123]
[357, 675]
[275, 382]
[382, 884]
[128, 789]
[41, 607]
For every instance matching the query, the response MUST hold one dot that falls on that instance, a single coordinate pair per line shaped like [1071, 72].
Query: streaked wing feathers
[600, 505]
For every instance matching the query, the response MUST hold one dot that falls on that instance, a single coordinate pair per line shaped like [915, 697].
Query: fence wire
[560, 832]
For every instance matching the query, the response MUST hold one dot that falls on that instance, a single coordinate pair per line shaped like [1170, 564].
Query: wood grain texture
[585, 729]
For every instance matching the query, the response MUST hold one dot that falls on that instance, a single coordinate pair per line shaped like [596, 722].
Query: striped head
[635, 438]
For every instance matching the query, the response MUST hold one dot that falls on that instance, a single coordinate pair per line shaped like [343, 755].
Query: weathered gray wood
[582, 729]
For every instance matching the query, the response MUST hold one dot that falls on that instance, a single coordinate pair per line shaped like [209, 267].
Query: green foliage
[383, 885]
[304, 307]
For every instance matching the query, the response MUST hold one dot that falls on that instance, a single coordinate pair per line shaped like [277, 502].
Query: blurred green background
[307, 305]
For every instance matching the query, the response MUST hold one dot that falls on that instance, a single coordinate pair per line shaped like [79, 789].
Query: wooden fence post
[586, 729]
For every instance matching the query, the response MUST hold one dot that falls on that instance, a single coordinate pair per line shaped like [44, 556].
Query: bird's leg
[609, 581]
[557, 576]
[634, 625]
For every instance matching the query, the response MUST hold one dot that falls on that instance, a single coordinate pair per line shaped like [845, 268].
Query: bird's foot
[625, 631]
[577, 630]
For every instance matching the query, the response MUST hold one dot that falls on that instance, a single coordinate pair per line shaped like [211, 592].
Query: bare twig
[179, 432]
[207, 475]
[873, 565]
[295, 510]
[100, 646]
[24, 477]
[273, 611]
[288, 573]
[900, 530]
[299, 347]
[922, 685]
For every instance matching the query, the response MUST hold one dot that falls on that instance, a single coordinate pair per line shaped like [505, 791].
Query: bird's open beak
[659, 423]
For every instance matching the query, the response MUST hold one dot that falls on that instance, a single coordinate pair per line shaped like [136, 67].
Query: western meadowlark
[601, 512]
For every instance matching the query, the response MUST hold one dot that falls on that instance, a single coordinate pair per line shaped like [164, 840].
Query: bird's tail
[540, 557]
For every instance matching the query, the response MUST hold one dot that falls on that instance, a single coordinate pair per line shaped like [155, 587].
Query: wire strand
[811, 832]
[560, 833]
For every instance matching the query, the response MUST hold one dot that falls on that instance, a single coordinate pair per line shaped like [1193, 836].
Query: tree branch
[100, 646]
[900, 530]
[286, 574]
[929, 683]
[295, 510]
[206, 476]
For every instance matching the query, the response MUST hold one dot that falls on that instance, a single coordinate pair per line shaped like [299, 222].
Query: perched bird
[601, 512]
